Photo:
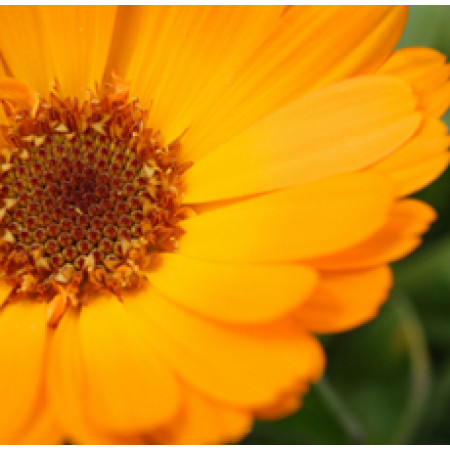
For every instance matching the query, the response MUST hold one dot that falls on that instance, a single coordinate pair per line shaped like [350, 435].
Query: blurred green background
[388, 382]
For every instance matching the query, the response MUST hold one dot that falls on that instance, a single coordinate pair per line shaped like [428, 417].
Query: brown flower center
[88, 197]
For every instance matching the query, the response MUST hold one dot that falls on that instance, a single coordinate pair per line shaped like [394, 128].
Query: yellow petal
[3, 119]
[345, 300]
[43, 429]
[219, 75]
[17, 93]
[425, 70]
[436, 103]
[407, 221]
[301, 222]
[179, 58]
[129, 388]
[311, 46]
[67, 387]
[78, 39]
[337, 129]
[419, 161]
[22, 344]
[203, 421]
[286, 404]
[24, 46]
[65, 378]
[231, 364]
[5, 291]
[233, 292]
[414, 177]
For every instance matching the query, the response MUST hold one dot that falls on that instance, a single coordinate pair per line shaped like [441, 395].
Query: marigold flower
[172, 236]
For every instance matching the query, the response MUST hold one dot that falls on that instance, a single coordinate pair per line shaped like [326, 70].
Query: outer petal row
[172, 364]
[22, 346]
[302, 222]
[248, 75]
[70, 43]
[233, 292]
[338, 129]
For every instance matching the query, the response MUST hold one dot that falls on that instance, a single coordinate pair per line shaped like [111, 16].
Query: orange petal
[25, 47]
[203, 421]
[129, 389]
[5, 291]
[179, 58]
[286, 404]
[311, 46]
[401, 235]
[220, 75]
[43, 429]
[70, 43]
[345, 300]
[3, 118]
[414, 177]
[17, 93]
[233, 293]
[22, 344]
[419, 161]
[436, 103]
[311, 138]
[78, 39]
[67, 387]
[231, 364]
[425, 70]
[65, 380]
[310, 220]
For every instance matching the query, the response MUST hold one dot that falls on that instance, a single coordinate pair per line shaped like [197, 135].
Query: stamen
[87, 197]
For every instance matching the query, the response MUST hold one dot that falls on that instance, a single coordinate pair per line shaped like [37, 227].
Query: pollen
[88, 196]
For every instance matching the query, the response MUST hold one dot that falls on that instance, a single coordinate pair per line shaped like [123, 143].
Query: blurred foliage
[388, 382]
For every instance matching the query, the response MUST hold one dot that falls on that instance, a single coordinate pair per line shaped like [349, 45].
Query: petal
[22, 345]
[204, 421]
[41, 43]
[65, 379]
[3, 118]
[78, 39]
[345, 300]
[67, 387]
[17, 93]
[401, 235]
[419, 161]
[337, 129]
[231, 364]
[436, 102]
[310, 47]
[233, 292]
[2, 65]
[24, 46]
[425, 70]
[292, 223]
[286, 404]
[181, 57]
[414, 177]
[5, 291]
[129, 389]
[219, 75]
[43, 428]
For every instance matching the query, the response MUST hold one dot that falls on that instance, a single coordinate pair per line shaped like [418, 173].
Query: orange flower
[145, 300]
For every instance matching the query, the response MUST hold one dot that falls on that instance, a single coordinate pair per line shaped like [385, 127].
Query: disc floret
[89, 195]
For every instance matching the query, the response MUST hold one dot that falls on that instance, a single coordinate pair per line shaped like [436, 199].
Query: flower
[173, 236]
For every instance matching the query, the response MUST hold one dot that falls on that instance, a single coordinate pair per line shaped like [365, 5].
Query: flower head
[187, 195]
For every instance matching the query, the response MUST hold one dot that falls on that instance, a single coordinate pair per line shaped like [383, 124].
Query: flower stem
[343, 415]
[420, 368]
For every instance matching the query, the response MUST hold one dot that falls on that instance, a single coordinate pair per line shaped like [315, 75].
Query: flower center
[88, 197]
